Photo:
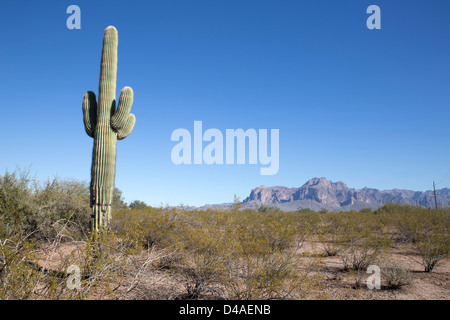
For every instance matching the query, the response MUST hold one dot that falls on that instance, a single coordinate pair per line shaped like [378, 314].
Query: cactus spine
[106, 125]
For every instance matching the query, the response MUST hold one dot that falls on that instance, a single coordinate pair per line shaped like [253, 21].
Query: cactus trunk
[106, 125]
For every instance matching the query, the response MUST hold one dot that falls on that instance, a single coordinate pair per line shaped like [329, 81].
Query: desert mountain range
[318, 193]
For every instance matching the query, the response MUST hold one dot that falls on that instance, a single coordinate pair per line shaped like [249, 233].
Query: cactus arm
[90, 113]
[120, 117]
[127, 128]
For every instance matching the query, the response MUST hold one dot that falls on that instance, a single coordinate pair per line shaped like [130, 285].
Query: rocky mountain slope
[318, 193]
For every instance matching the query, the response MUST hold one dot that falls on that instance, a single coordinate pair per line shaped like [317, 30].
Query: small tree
[138, 204]
[265, 208]
[237, 204]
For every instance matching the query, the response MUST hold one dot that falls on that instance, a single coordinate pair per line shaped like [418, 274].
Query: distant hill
[318, 193]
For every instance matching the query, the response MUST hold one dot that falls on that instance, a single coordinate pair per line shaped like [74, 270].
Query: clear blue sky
[366, 107]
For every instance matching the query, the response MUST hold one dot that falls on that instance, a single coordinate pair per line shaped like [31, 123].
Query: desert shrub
[237, 204]
[169, 262]
[427, 230]
[366, 210]
[393, 208]
[137, 204]
[28, 207]
[329, 233]
[103, 261]
[358, 258]
[204, 240]
[275, 275]
[407, 222]
[361, 240]
[108, 268]
[396, 276]
[144, 228]
[15, 203]
[17, 276]
[266, 208]
[57, 202]
[432, 248]
[118, 201]
[264, 263]
[278, 230]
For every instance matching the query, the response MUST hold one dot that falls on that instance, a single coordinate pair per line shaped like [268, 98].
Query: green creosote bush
[362, 240]
[144, 228]
[395, 276]
[266, 208]
[329, 232]
[366, 210]
[261, 267]
[433, 246]
[204, 251]
[237, 204]
[426, 229]
[138, 204]
[40, 211]
[17, 276]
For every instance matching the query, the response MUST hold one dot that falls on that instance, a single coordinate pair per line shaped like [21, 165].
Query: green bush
[266, 208]
[362, 240]
[137, 204]
[42, 210]
[329, 233]
[366, 210]
[144, 228]
[433, 246]
[396, 276]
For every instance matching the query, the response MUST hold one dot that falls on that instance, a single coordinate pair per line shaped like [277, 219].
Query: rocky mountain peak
[323, 182]
[318, 193]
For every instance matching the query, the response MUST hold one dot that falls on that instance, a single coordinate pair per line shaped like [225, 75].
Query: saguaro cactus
[106, 124]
